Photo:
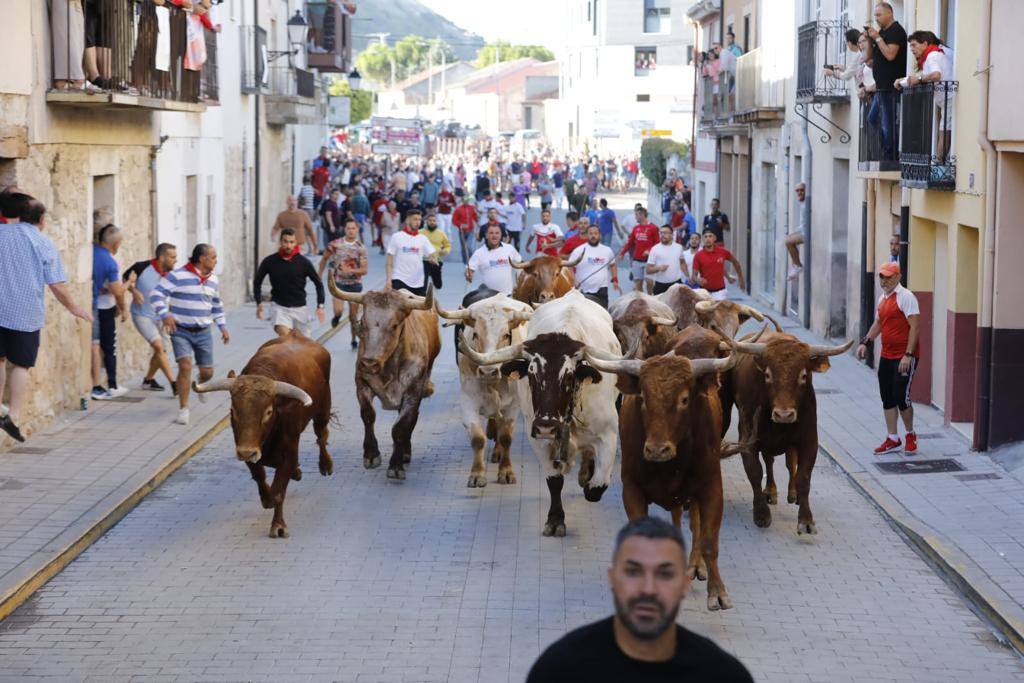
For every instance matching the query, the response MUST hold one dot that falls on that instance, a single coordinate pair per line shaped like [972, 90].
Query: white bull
[489, 400]
[568, 405]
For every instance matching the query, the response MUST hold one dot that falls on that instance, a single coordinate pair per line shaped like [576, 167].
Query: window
[689, 54]
[643, 98]
[594, 24]
[588, 11]
[747, 45]
[947, 22]
[645, 60]
[657, 16]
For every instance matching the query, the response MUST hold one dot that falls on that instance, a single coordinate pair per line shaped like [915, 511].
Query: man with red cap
[898, 322]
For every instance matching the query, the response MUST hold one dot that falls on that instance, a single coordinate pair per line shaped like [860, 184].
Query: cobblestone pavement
[427, 580]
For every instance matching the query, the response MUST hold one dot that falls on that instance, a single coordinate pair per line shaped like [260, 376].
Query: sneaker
[117, 392]
[335, 320]
[355, 344]
[889, 446]
[182, 418]
[152, 385]
[911, 447]
[12, 429]
[100, 394]
[794, 272]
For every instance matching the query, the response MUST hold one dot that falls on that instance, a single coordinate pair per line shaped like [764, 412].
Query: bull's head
[545, 271]
[667, 386]
[726, 317]
[379, 329]
[555, 367]
[636, 326]
[787, 364]
[488, 327]
[253, 401]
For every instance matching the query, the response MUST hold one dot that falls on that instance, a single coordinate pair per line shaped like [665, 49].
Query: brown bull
[398, 342]
[773, 391]
[643, 324]
[282, 387]
[543, 278]
[726, 317]
[669, 430]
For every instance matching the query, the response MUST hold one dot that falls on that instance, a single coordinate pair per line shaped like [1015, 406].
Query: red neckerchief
[190, 267]
[288, 256]
[156, 267]
[924, 55]
[409, 232]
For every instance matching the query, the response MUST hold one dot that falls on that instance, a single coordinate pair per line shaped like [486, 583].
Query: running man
[597, 268]
[141, 278]
[493, 260]
[549, 236]
[709, 266]
[795, 239]
[407, 250]
[349, 263]
[288, 271]
[641, 239]
[666, 263]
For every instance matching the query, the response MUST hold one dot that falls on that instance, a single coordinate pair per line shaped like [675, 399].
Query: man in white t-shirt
[403, 268]
[665, 262]
[548, 235]
[692, 247]
[494, 262]
[486, 205]
[596, 267]
[515, 222]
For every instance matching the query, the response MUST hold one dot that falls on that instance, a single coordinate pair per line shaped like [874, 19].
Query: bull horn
[778, 327]
[502, 355]
[630, 366]
[352, 297]
[661, 320]
[607, 356]
[291, 391]
[458, 314]
[752, 312]
[519, 265]
[213, 385]
[521, 316]
[703, 366]
[705, 307]
[758, 335]
[751, 348]
[572, 264]
[819, 350]
[420, 303]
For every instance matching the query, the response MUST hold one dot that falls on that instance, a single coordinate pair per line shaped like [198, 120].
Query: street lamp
[355, 78]
[296, 37]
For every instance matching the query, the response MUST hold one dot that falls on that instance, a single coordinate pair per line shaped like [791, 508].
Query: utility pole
[430, 75]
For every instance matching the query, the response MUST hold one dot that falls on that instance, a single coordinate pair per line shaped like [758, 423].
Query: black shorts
[95, 25]
[893, 386]
[418, 291]
[351, 289]
[21, 348]
[660, 287]
[599, 297]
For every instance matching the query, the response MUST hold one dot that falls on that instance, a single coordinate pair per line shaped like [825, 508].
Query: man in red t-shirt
[465, 218]
[898, 322]
[321, 177]
[709, 266]
[575, 233]
[445, 207]
[644, 236]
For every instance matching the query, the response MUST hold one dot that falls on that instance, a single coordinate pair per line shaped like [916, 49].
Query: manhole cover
[129, 399]
[920, 466]
[31, 450]
[980, 476]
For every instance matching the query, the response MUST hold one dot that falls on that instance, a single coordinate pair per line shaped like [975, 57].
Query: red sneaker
[889, 446]
[911, 447]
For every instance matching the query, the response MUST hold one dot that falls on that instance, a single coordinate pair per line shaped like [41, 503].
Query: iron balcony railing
[718, 100]
[878, 151]
[820, 45]
[141, 49]
[252, 42]
[753, 90]
[287, 81]
[926, 147]
[329, 37]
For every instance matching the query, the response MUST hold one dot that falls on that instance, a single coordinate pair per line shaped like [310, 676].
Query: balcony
[140, 71]
[292, 97]
[329, 41]
[717, 105]
[875, 158]
[757, 98]
[926, 148]
[821, 44]
[253, 59]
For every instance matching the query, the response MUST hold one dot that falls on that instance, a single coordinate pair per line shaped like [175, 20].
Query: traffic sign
[655, 133]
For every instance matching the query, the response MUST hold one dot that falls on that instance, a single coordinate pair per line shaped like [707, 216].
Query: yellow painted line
[18, 595]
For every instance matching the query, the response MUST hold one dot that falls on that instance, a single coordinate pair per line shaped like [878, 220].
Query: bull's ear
[585, 372]
[231, 374]
[515, 369]
[819, 364]
[627, 383]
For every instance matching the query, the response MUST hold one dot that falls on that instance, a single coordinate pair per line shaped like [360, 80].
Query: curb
[954, 565]
[14, 598]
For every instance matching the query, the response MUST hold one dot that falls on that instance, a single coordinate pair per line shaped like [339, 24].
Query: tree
[408, 56]
[362, 100]
[654, 156]
[504, 51]
[375, 62]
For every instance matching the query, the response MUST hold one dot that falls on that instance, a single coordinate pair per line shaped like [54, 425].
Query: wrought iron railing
[252, 41]
[820, 45]
[209, 85]
[926, 147]
[329, 37]
[879, 152]
[158, 52]
[287, 81]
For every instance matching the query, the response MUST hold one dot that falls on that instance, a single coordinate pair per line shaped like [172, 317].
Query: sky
[531, 22]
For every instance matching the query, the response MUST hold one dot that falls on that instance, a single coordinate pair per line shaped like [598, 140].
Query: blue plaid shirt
[28, 262]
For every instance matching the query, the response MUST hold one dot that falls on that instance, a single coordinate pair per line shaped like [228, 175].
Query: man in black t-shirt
[717, 222]
[888, 66]
[641, 642]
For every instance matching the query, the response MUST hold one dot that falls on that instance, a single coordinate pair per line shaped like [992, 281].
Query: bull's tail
[335, 419]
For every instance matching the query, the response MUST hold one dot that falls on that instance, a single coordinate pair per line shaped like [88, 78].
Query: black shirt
[288, 280]
[483, 231]
[716, 223]
[591, 654]
[886, 72]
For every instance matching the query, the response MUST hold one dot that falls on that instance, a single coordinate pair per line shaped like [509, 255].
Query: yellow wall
[1005, 120]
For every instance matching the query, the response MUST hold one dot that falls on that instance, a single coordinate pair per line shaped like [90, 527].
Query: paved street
[427, 580]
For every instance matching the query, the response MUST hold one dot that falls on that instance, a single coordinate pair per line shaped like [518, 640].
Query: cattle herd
[656, 375]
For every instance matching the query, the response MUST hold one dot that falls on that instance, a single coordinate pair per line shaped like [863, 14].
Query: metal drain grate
[129, 399]
[31, 450]
[980, 476]
[920, 466]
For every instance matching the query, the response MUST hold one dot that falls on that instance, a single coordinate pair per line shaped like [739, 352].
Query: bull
[568, 405]
[726, 317]
[489, 400]
[398, 342]
[642, 324]
[669, 426]
[282, 387]
[543, 278]
[773, 390]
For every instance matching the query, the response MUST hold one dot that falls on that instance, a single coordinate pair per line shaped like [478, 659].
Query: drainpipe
[867, 259]
[256, 150]
[750, 196]
[983, 354]
[784, 145]
[153, 208]
[805, 218]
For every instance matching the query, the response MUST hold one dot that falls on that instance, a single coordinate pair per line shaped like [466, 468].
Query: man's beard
[592, 242]
[645, 630]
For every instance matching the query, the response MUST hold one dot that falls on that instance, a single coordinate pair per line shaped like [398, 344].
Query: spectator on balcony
[729, 64]
[731, 45]
[97, 55]
[68, 35]
[934, 63]
[856, 41]
[888, 66]
[711, 67]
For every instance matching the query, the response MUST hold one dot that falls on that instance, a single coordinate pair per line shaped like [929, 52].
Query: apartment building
[627, 68]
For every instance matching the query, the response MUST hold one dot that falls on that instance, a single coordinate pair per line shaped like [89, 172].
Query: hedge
[654, 156]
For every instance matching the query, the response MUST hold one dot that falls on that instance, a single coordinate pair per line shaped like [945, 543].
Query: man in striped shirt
[187, 300]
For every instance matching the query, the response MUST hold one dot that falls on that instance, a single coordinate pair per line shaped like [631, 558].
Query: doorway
[940, 306]
[769, 186]
[840, 228]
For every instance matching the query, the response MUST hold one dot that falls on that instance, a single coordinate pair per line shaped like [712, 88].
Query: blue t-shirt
[104, 270]
[557, 179]
[605, 220]
[591, 215]
[691, 223]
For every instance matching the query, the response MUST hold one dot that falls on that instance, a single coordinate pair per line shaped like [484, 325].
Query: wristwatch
[908, 354]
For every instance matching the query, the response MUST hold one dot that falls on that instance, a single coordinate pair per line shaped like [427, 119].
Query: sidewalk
[970, 523]
[70, 482]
